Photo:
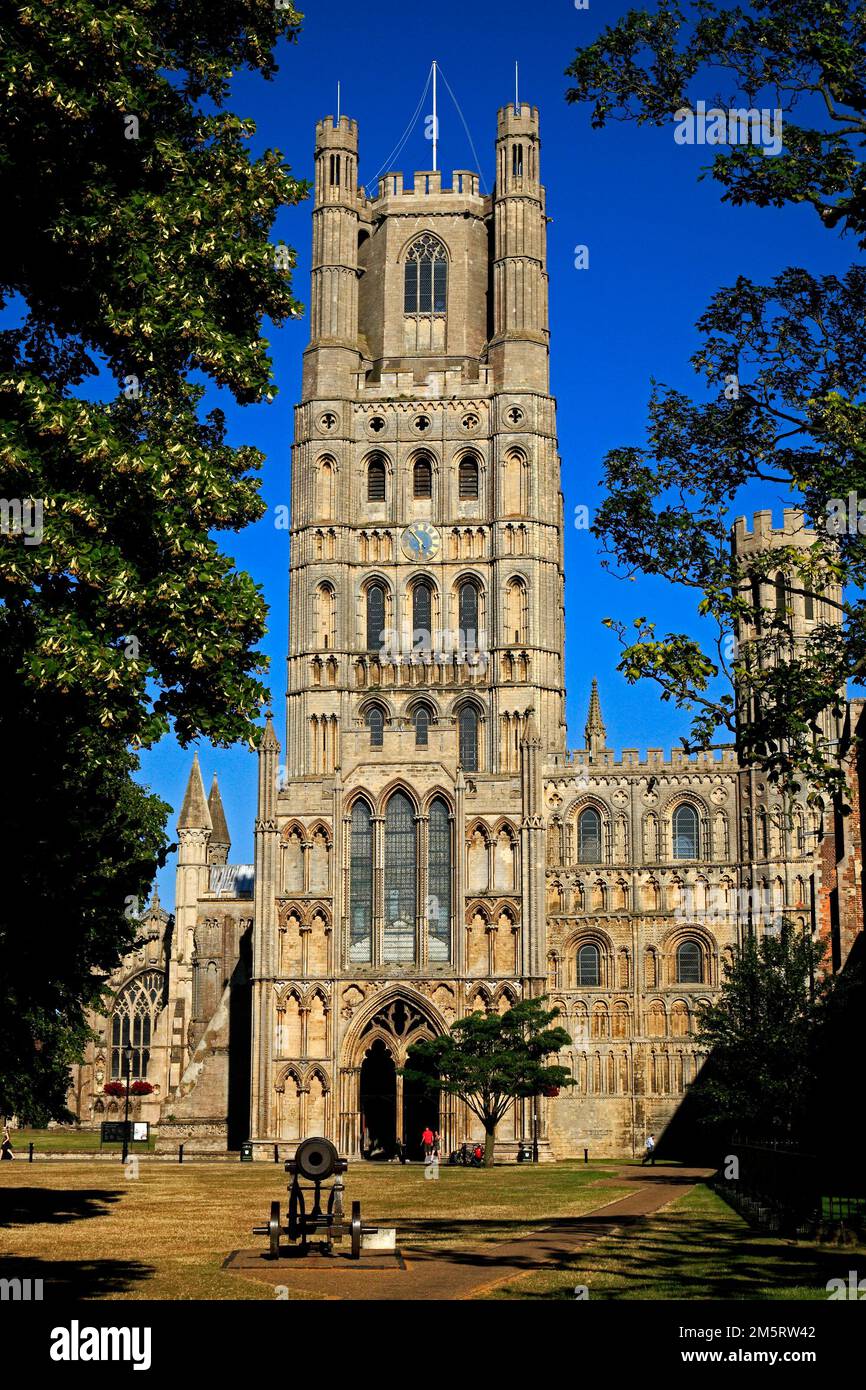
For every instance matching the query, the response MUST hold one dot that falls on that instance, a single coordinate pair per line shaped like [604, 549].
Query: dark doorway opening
[379, 1102]
[420, 1111]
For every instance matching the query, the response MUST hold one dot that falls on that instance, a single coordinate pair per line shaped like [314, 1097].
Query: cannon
[316, 1161]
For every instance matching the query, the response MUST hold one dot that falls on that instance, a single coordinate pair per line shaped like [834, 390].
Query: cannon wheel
[356, 1230]
[274, 1230]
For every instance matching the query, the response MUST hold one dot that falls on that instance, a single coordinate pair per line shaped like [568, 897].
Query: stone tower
[401, 861]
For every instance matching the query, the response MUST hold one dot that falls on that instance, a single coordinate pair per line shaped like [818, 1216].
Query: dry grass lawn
[88, 1232]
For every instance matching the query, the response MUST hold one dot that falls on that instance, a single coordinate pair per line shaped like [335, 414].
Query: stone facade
[427, 845]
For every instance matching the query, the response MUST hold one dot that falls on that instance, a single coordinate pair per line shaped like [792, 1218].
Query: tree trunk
[489, 1144]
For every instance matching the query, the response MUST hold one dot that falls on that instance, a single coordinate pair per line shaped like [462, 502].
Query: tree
[785, 364]
[806, 60]
[139, 253]
[761, 1035]
[490, 1060]
[796, 351]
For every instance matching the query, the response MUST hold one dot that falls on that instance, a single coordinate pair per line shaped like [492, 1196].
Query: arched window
[375, 617]
[133, 1023]
[781, 595]
[426, 277]
[422, 727]
[400, 876]
[468, 739]
[690, 964]
[588, 966]
[422, 616]
[422, 477]
[517, 161]
[376, 725]
[589, 836]
[439, 880]
[468, 478]
[376, 479]
[685, 832]
[808, 607]
[361, 888]
[468, 615]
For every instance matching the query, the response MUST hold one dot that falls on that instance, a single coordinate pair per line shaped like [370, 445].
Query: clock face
[420, 541]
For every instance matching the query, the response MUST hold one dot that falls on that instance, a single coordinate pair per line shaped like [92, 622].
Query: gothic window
[400, 876]
[376, 479]
[589, 836]
[133, 1023]
[468, 479]
[422, 616]
[468, 721]
[808, 607]
[422, 477]
[781, 595]
[588, 966]
[690, 964]
[376, 725]
[685, 832]
[439, 881]
[515, 611]
[422, 727]
[426, 277]
[468, 615]
[361, 891]
[375, 617]
[517, 161]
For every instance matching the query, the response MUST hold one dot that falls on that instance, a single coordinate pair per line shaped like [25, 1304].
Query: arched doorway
[378, 1102]
[391, 1107]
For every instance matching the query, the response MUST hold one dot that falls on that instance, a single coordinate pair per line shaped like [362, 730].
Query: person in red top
[427, 1141]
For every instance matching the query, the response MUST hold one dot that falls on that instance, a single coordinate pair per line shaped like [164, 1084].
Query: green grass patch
[69, 1139]
[696, 1248]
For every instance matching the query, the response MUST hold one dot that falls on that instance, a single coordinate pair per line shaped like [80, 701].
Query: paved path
[464, 1273]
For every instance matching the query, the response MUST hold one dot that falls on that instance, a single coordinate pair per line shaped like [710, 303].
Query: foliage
[137, 254]
[761, 1034]
[784, 366]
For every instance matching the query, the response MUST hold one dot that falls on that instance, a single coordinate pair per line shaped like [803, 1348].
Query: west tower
[402, 858]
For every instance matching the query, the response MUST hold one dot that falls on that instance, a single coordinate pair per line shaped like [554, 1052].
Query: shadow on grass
[694, 1261]
[34, 1206]
[76, 1279]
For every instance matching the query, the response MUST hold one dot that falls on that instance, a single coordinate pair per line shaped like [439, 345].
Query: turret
[333, 352]
[520, 344]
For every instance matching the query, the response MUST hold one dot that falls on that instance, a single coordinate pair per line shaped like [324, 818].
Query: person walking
[427, 1141]
[437, 1143]
[650, 1155]
[6, 1146]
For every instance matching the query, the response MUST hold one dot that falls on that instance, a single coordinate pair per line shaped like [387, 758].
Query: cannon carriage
[315, 1164]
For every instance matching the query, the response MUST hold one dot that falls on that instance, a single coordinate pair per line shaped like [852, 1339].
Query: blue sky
[660, 243]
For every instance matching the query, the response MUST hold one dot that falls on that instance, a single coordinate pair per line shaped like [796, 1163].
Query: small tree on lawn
[761, 1035]
[489, 1060]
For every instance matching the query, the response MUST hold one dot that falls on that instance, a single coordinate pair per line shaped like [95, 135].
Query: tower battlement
[763, 535]
[337, 135]
[511, 120]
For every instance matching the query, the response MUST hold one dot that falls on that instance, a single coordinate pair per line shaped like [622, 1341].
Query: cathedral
[426, 844]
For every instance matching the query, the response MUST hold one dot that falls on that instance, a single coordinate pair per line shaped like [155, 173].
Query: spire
[269, 741]
[220, 839]
[194, 814]
[596, 734]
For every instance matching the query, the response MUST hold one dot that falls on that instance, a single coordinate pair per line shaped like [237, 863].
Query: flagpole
[435, 123]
